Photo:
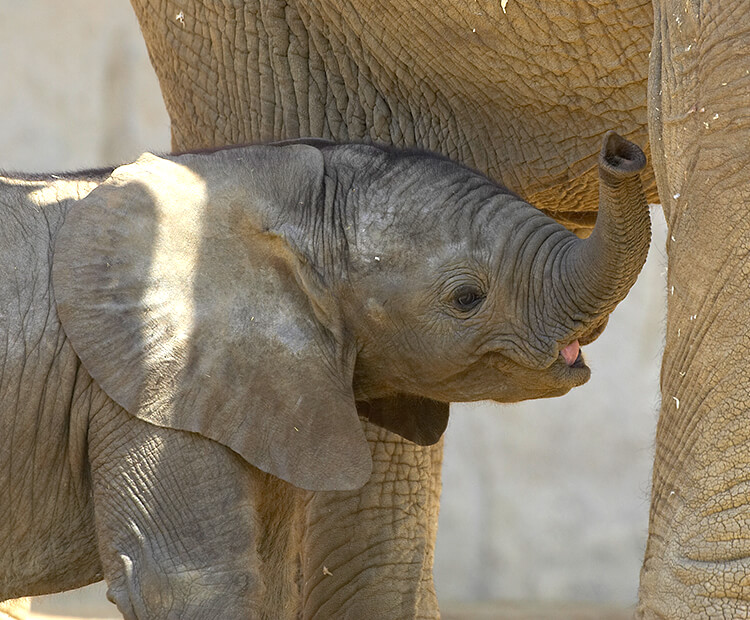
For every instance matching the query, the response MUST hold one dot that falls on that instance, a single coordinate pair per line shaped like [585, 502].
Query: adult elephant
[523, 90]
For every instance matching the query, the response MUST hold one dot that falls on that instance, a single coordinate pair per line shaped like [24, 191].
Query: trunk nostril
[620, 156]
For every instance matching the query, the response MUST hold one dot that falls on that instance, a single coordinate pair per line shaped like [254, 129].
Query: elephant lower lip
[578, 363]
[577, 370]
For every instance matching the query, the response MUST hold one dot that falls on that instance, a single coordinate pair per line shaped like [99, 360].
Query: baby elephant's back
[46, 511]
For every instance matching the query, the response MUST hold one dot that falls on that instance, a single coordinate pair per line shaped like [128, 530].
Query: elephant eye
[467, 298]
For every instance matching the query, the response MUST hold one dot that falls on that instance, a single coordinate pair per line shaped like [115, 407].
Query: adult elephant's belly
[47, 540]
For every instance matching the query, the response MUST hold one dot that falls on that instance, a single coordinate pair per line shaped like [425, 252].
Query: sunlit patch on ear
[174, 252]
[55, 192]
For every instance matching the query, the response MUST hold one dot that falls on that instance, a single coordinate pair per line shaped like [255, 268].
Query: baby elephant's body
[177, 325]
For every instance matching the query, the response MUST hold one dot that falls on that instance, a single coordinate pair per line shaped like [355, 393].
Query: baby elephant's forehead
[429, 207]
[452, 241]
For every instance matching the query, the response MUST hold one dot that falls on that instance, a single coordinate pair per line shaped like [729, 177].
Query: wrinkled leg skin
[697, 562]
[15, 609]
[369, 553]
[174, 522]
[238, 73]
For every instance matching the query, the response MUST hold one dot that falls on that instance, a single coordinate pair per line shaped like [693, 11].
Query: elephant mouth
[578, 362]
[571, 365]
[571, 354]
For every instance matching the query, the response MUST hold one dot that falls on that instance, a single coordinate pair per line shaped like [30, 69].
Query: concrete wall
[76, 86]
[542, 500]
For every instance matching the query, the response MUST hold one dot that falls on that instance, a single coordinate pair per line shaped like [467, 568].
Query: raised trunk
[580, 281]
[599, 271]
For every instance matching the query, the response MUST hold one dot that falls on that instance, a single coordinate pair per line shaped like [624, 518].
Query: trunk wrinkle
[597, 273]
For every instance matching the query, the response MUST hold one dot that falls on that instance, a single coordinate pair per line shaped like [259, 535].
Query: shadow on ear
[192, 313]
[417, 419]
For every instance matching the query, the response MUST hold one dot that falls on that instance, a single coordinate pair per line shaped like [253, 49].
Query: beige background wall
[542, 500]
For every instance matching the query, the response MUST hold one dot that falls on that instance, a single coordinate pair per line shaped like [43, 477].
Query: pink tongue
[570, 353]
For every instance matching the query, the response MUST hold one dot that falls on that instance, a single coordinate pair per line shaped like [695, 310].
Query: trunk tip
[620, 157]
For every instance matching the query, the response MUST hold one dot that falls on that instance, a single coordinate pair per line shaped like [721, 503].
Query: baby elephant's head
[254, 294]
[458, 290]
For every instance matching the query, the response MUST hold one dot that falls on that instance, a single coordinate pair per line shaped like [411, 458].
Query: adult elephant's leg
[698, 555]
[174, 521]
[369, 554]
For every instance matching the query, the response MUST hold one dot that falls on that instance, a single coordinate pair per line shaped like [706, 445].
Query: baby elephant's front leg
[174, 520]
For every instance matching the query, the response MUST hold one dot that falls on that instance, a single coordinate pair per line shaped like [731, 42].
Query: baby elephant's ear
[191, 313]
[417, 419]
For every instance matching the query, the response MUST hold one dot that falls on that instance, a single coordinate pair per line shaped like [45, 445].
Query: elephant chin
[570, 374]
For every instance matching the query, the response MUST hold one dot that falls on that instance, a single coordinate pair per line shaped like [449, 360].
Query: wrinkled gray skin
[251, 296]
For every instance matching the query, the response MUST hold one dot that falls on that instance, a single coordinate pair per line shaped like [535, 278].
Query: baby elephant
[254, 296]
